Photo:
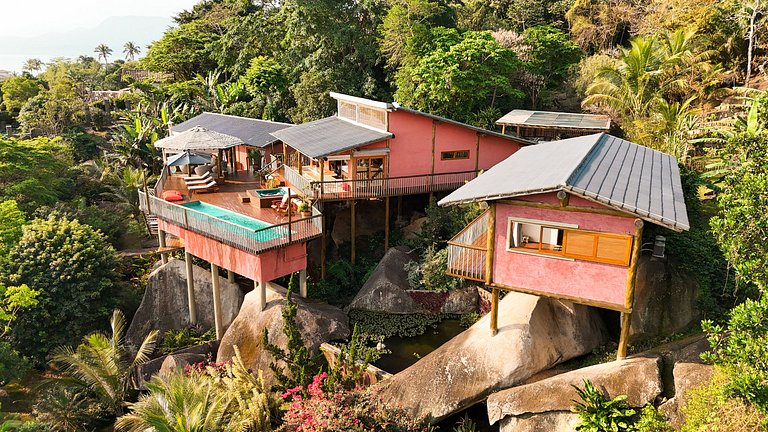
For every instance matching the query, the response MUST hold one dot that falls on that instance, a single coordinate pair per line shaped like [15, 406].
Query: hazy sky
[35, 17]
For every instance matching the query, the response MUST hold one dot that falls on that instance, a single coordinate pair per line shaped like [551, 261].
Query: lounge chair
[208, 187]
[205, 176]
[283, 205]
[199, 182]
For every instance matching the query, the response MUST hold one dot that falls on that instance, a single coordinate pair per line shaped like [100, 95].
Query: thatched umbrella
[199, 138]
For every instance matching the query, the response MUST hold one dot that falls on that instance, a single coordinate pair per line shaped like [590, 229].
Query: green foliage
[353, 360]
[599, 414]
[551, 54]
[11, 221]
[430, 273]
[293, 365]
[385, 325]
[73, 268]
[466, 424]
[175, 340]
[651, 420]
[183, 51]
[17, 90]
[12, 365]
[467, 319]
[442, 224]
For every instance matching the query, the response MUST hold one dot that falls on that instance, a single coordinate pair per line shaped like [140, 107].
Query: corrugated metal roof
[555, 120]
[328, 136]
[253, 132]
[599, 167]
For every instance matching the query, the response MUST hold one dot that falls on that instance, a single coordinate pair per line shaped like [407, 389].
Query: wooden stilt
[161, 242]
[489, 245]
[495, 311]
[353, 233]
[216, 301]
[190, 288]
[626, 320]
[626, 317]
[230, 276]
[386, 224]
[303, 283]
[261, 288]
[285, 155]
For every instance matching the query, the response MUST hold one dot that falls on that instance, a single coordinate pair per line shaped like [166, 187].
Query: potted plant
[304, 209]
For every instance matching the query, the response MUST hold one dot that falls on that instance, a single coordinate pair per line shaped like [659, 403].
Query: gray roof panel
[552, 119]
[599, 167]
[254, 132]
[328, 136]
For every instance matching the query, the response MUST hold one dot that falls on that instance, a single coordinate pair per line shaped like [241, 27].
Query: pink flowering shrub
[209, 364]
[320, 410]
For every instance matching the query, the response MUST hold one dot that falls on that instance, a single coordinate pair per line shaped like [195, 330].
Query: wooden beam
[629, 298]
[477, 153]
[216, 301]
[586, 302]
[285, 154]
[386, 223]
[190, 288]
[352, 233]
[495, 311]
[534, 204]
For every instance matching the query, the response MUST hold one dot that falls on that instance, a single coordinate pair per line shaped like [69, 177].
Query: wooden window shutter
[598, 247]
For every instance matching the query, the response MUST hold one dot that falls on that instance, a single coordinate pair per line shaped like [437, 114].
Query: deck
[283, 229]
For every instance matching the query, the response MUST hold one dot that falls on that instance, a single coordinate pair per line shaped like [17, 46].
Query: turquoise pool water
[249, 223]
[270, 192]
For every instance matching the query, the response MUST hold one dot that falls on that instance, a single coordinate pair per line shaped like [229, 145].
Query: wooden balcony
[347, 189]
[281, 229]
[467, 250]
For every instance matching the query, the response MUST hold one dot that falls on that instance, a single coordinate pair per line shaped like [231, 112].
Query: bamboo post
[386, 223]
[626, 317]
[352, 233]
[489, 250]
[190, 288]
[216, 301]
[495, 311]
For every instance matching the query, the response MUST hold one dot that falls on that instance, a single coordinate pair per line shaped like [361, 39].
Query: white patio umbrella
[189, 158]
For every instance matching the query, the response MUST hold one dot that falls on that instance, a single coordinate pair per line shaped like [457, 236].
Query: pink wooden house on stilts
[565, 220]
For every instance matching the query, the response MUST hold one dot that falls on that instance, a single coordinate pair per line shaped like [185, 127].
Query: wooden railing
[467, 250]
[378, 187]
[251, 240]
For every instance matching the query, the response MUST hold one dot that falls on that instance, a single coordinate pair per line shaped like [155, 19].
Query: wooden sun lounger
[205, 176]
[208, 187]
[199, 182]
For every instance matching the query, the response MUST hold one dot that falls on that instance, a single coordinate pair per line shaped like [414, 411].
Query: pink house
[565, 220]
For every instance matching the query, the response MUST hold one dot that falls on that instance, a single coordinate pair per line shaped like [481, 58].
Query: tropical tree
[101, 366]
[17, 90]
[131, 50]
[33, 65]
[103, 51]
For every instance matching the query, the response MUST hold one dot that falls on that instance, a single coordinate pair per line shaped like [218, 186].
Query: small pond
[406, 351]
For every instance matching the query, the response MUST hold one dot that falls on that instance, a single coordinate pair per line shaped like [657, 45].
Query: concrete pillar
[190, 288]
[303, 283]
[230, 276]
[161, 242]
[261, 288]
[217, 301]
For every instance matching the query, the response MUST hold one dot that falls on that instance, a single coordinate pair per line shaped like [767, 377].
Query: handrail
[466, 259]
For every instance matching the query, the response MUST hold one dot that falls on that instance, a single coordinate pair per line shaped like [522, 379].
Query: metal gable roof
[253, 132]
[555, 120]
[599, 167]
[328, 136]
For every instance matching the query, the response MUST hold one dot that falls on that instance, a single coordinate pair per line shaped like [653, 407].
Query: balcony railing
[467, 250]
[251, 240]
[377, 187]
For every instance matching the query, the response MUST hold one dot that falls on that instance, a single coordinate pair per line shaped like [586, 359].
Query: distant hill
[114, 32]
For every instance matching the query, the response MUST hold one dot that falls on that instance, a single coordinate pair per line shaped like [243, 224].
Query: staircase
[151, 221]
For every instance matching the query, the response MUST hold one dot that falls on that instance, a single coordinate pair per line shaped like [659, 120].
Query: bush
[442, 224]
[650, 420]
[599, 414]
[12, 365]
[711, 408]
[175, 340]
[467, 319]
[430, 273]
[73, 268]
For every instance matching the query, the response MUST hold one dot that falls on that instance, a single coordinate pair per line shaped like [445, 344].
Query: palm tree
[33, 65]
[103, 51]
[101, 365]
[131, 50]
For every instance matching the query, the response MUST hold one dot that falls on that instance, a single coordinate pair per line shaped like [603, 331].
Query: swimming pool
[267, 193]
[239, 224]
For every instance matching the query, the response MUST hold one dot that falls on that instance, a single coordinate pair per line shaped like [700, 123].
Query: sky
[36, 17]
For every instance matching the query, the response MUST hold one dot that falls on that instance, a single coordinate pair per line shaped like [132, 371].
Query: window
[567, 241]
[454, 154]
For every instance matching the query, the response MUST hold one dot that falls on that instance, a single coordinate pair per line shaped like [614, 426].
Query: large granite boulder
[665, 299]
[545, 405]
[534, 334]
[385, 289]
[688, 372]
[318, 323]
[165, 307]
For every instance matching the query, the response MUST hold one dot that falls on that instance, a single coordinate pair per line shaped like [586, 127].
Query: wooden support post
[386, 224]
[399, 206]
[216, 301]
[230, 276]
[432, 172]
[290, 213]
[322, 177]
[323, 244]
[285, 154]
[190, 288]
[503, 129]
[489, 249]
[261, 288]
[161, 242]
[299, 163]
[477, 154]
[354, 228]
[303, 283]
[626, 317]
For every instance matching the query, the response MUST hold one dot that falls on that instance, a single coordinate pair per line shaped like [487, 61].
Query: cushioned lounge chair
[205, 176]
[208, 187]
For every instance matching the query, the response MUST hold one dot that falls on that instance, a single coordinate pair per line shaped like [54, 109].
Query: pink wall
[241, 156]
[411, 148]
[590, 280]
[268, 265]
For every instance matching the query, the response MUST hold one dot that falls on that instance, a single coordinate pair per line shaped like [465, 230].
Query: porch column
[216, 301]
[190, 288]
[230, 276]
[353, 229]
[626, 317]
[303, 283]
[260, 286]
[161, 242]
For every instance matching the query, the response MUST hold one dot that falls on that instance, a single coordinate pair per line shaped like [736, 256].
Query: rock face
[165, 307]
[534, 334]
[665, 300]
[385, 289]
[317, 322]
[545, 405]
[688, 373]
[181, 358]
[462, 300]
[411, 230]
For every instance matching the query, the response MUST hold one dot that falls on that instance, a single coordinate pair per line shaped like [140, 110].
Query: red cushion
[172, 195]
